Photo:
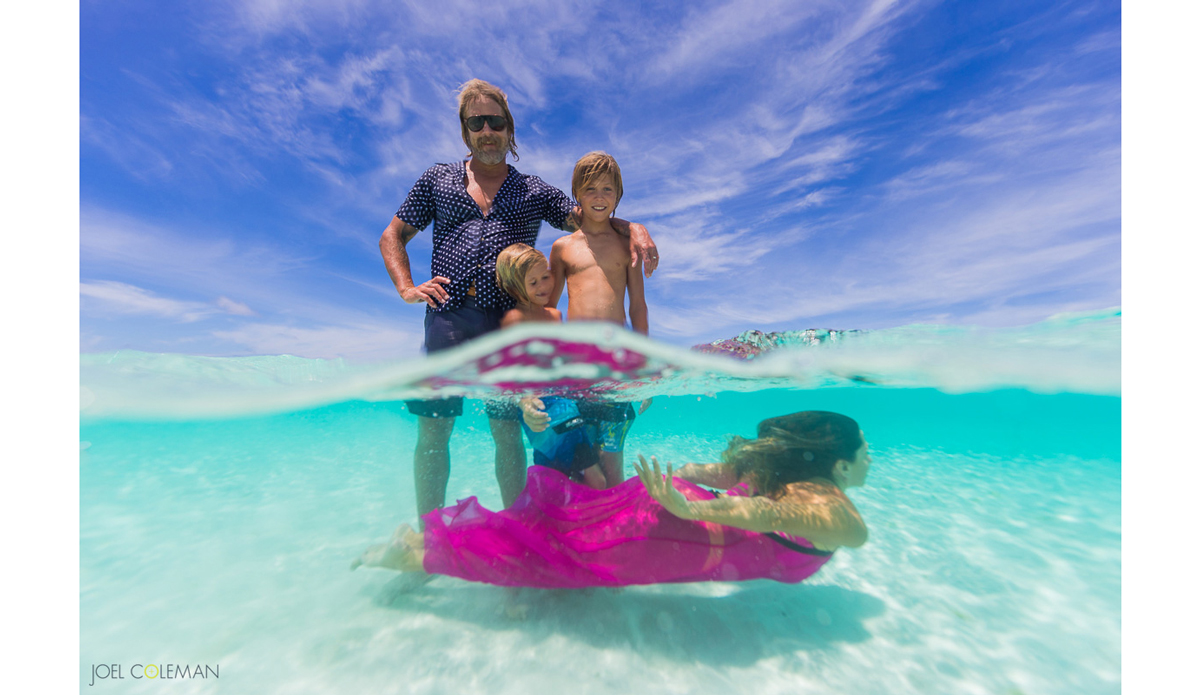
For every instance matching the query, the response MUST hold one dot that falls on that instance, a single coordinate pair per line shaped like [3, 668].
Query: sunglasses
[496, 123]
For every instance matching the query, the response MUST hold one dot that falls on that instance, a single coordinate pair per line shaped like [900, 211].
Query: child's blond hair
[512, 265]
[592, 166]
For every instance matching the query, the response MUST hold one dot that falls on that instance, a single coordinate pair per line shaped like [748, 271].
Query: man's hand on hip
[431, 292]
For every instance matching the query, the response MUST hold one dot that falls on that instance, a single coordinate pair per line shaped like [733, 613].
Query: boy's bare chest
[608, 254]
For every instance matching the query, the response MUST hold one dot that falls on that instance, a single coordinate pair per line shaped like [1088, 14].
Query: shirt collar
[460, 171]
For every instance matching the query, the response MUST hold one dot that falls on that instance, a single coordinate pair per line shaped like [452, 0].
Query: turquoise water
[222, 501]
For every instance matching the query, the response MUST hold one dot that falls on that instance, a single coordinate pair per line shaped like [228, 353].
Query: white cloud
[987, 250]
[359, 341]
[700, 247]
[121, 298]
[142, 159]
[231, 307]
[190, 257]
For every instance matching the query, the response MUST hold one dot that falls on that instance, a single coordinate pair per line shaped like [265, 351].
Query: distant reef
[751, 344]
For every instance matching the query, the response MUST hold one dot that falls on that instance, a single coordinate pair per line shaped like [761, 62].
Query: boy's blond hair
[472, 90]
[592, 166]
[512, 265]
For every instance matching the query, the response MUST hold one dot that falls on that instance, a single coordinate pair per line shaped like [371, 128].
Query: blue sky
[819, 164]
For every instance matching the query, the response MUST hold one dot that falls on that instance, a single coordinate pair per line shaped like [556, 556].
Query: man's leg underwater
[431, 462]
[510, 458]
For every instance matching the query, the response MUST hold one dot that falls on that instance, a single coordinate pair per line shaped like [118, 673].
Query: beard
[491, 157]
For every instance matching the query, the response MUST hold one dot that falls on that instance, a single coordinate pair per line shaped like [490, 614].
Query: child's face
[538, 284]
[598, 198]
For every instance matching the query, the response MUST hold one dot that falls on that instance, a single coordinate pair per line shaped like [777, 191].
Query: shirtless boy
[594, 262]
[595, 266]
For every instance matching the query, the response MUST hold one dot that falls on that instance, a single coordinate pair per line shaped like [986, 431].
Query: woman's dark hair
[795, 447]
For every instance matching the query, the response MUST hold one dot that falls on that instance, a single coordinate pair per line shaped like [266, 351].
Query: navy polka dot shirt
[465, 243]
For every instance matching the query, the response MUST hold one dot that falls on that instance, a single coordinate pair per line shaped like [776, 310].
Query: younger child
[569, 444]
[523, 273]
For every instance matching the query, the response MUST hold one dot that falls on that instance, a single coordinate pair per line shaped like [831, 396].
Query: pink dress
[561, 534]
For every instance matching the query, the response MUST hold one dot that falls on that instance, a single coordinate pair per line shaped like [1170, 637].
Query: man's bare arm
[395, 257]
[641, 247]
[571, 224]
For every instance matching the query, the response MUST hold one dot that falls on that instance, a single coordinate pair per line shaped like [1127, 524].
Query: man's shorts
[450, 328]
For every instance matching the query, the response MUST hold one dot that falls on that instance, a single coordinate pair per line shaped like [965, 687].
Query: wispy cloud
[365, 341]
[710, 38]
[1064, 238]
[184, 253]
[237, 308]
[123, 298]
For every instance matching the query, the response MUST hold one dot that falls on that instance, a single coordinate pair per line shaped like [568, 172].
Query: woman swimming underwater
[784, 513]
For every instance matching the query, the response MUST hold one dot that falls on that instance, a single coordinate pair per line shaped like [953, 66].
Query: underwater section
[222, 500]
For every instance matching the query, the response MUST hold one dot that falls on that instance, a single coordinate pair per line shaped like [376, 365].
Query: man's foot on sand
[404, 552]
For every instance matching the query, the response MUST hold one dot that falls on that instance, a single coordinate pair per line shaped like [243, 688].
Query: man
[479, 207]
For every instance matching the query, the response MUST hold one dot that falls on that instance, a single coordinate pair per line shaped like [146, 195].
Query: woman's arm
[718, 475]
[818, 512]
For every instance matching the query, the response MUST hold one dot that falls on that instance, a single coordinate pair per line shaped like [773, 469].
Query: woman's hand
[663, 489]
[534, 413]
[645, 404]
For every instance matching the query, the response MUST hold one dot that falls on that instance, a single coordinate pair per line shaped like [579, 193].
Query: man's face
[487, 146]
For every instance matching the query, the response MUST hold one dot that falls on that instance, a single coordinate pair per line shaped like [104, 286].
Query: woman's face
[856, 470]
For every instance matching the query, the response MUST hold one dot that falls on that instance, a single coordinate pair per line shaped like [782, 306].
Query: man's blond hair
[512, 265]
[592, 166]
[473, 90]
